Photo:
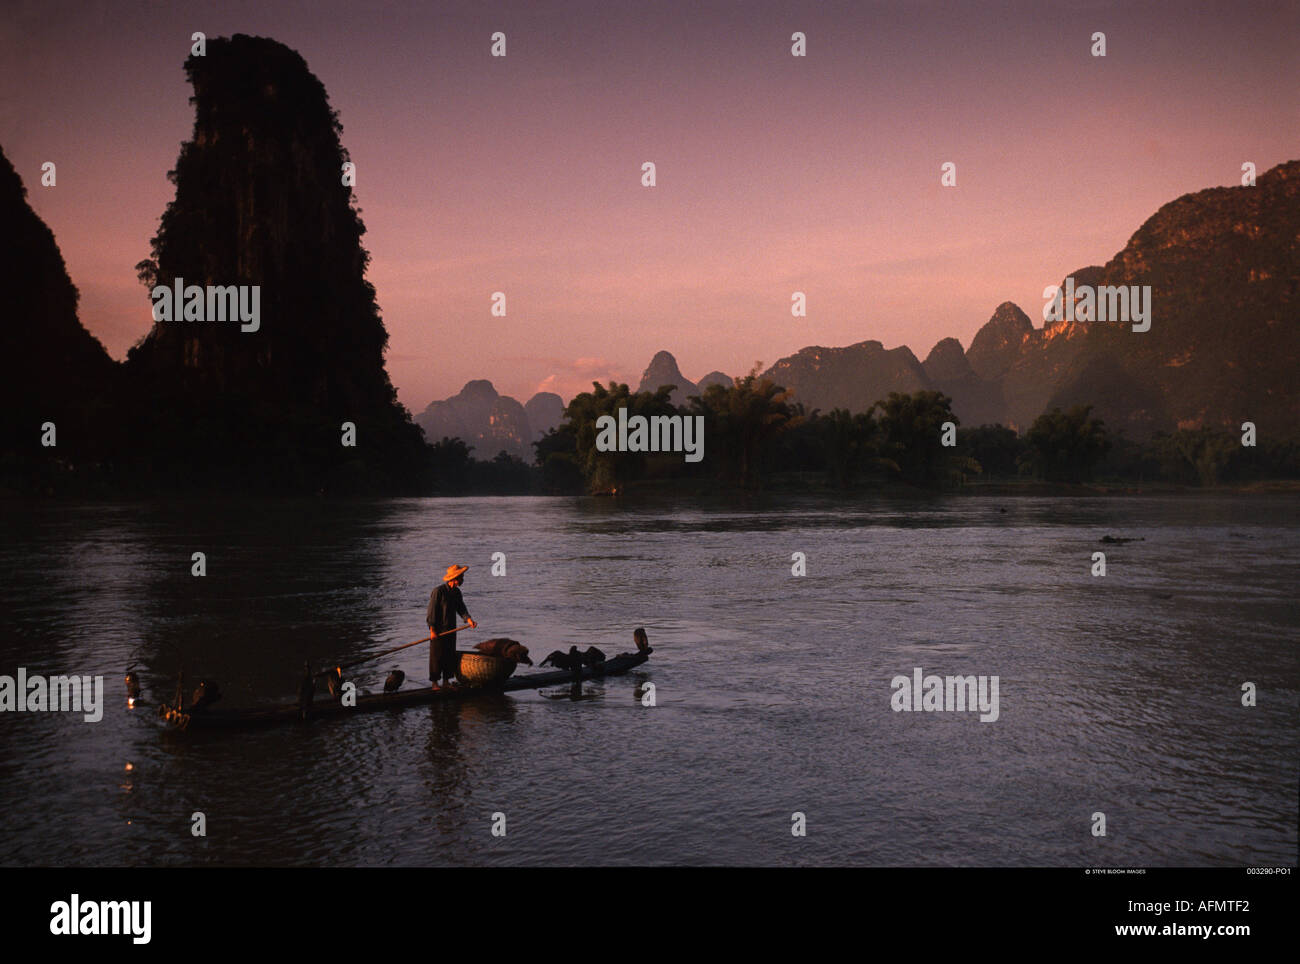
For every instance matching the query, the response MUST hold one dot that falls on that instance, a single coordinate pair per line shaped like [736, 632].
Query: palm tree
[742, 420]
[850, 444]
[611, 471]
[912, 426]
[1065, 446]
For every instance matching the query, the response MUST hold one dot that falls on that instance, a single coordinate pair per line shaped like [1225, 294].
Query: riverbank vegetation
[756, 437]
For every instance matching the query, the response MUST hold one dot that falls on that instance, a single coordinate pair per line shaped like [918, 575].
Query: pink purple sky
[775, 173]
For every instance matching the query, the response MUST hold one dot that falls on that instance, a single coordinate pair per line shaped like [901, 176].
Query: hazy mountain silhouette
[481, 418]
[977, 400]
[714, 378]
[663, 370]
[854, 377]
[545, 411]
[995, 346]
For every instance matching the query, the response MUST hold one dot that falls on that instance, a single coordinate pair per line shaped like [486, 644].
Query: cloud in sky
[568, 378]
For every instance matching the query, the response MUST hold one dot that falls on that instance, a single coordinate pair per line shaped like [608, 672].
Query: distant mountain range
[663, 370]
[1223, 347]
[491, 423]
[1224, 267]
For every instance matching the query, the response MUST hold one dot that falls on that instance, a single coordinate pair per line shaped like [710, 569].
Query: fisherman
[444, 603]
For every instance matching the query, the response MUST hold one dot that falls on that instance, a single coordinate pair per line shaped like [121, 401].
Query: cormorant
[592, 657]
[642, 640]
[394, 681]
[571, 660]
[557, 659]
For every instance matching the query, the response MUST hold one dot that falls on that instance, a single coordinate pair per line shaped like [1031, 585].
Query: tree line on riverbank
[758, 437]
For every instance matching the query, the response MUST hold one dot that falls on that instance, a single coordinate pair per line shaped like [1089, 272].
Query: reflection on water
[1119, 694]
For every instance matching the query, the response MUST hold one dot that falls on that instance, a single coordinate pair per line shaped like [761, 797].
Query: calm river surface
[1119, 694]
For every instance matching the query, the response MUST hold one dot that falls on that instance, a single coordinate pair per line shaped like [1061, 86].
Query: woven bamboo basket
[475, 669]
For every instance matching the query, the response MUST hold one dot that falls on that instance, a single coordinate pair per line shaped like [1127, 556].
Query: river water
[1119, 695]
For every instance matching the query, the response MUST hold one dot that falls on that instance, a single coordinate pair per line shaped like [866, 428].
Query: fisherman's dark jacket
[444, 603]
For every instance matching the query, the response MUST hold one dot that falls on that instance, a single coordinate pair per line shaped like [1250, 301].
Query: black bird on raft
[394, 681]
[572, 660]
[306, 691]
[593, 657]
[642, 640]
[205, 694]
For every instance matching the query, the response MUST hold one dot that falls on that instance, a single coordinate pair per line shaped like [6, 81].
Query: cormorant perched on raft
[571, 660]
[593, 657]
[306, 691]
[207, 693]
[642, 640]
[394, 681]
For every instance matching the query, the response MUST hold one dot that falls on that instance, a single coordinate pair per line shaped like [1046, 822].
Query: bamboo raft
[211, 718]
